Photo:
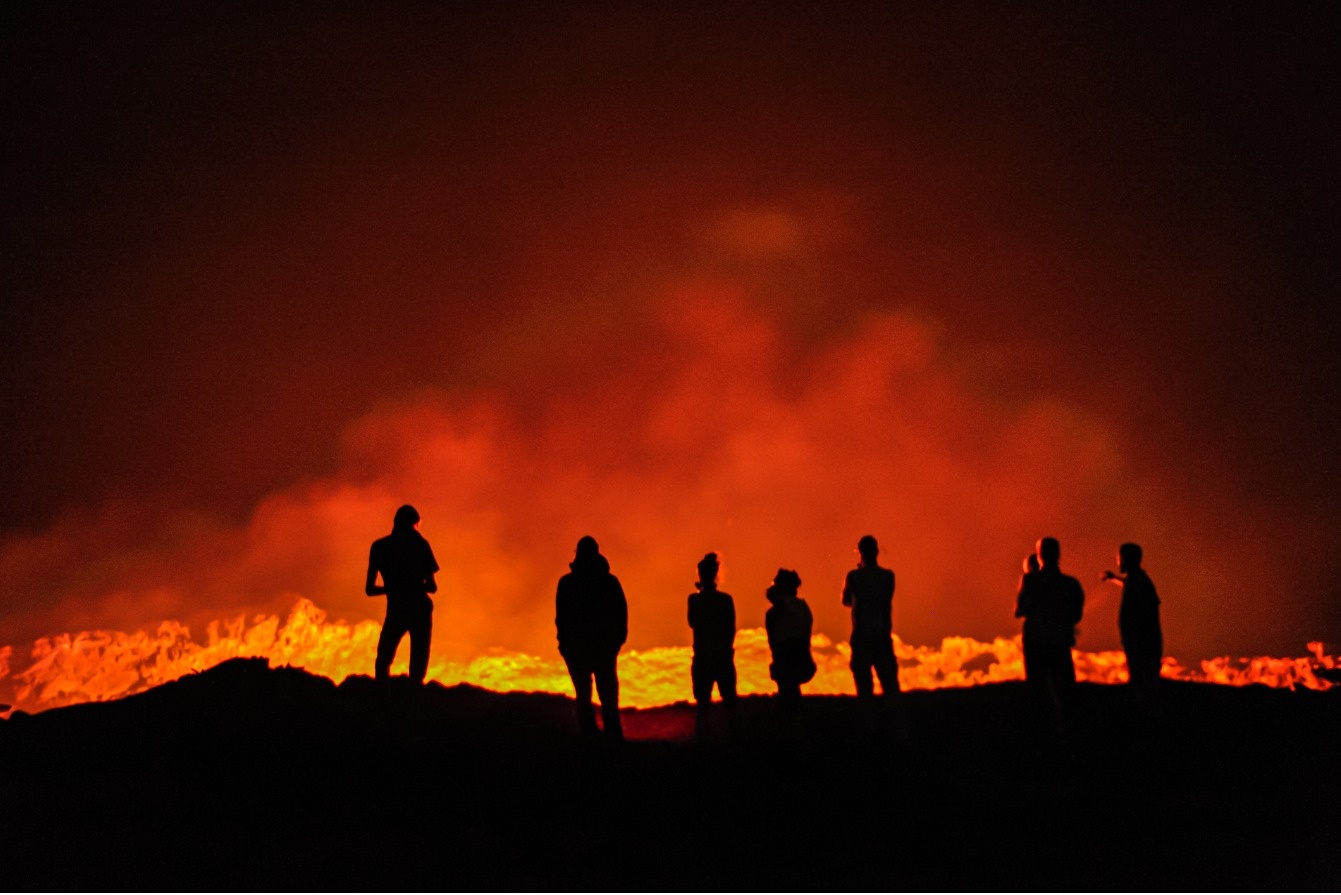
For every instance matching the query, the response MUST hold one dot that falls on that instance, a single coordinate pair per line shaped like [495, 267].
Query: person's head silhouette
[406, 518]
[1129, 558]
[1049, 552]
[707, 572]
[785, 584]
[869, 549]
[587, 547]
[1031, 563]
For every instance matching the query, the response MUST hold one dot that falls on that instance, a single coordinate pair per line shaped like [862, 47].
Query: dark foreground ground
[248, 778]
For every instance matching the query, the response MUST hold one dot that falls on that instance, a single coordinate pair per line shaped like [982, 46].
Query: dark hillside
[249, 778]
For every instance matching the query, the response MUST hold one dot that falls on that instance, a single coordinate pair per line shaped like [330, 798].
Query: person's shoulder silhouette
[404, 558]
[591, 610]
[1050, 601]
[712, 612]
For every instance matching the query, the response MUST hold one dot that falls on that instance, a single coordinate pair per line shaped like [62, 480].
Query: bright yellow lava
[103, 665]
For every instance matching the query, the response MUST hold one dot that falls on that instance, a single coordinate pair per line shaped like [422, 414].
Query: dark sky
[232, 231]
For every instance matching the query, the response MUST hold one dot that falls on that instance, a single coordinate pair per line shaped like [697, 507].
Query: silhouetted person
[1051, 605]
[1030, 564]
[407, 566]
[869, 591]
[592, 618]
[789, 623]
[712, 616]
[1138, 624]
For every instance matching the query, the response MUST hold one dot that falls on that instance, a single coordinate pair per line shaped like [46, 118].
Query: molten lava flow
[94, 666]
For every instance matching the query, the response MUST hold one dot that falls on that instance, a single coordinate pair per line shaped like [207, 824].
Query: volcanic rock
[245, 777]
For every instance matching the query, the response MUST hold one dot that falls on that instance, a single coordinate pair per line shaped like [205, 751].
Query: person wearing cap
[405, 562]
[592, 622]
[869, 592]
[712, 616]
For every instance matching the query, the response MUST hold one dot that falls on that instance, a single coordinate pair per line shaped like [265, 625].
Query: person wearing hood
[592, 622]
[406, 564]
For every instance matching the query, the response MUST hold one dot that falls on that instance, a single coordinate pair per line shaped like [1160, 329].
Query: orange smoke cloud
[101, 665]
[702, 427]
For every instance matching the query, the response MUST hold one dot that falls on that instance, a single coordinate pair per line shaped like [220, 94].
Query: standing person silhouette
[789, 624]
[1138, 624]
[405, 561]
[1051, 605]
[712, 616]
[1030, 564]
[592, 620]
[869, 591]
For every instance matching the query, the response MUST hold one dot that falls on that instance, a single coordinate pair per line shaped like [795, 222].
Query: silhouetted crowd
[591, 618]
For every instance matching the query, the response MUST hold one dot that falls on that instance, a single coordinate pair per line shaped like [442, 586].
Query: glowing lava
[94, 666]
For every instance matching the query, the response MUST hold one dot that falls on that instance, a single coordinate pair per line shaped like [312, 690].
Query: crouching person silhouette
[712, 616]
[592, 618]
[788, 624]
[405, 561]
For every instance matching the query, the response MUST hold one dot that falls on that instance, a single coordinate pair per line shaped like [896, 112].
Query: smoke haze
[758, 280]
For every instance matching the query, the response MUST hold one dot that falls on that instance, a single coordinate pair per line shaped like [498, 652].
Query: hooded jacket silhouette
[592, 622]
[592, 614]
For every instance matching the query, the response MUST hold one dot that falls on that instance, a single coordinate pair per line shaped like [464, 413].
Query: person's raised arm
[1114, 577]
